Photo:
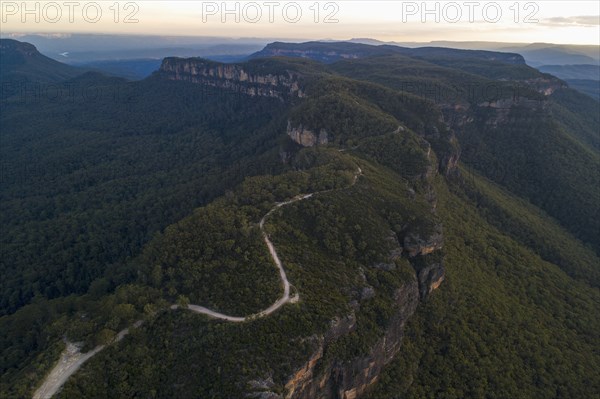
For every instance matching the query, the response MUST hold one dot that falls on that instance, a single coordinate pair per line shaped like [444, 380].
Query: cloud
[582, 20]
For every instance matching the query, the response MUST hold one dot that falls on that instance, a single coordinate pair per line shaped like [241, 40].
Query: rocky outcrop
[430, 278]
[234, 77]
[304, 377]
[350, 379]
[306, 137]
[415, 244]
[546, 85]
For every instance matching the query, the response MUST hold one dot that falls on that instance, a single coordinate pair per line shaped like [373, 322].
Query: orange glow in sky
[574, 22]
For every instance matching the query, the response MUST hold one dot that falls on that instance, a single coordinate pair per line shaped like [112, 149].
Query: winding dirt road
[72, 359]
[285, 298]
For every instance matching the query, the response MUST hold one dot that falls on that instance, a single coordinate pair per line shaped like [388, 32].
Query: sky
[569, 22]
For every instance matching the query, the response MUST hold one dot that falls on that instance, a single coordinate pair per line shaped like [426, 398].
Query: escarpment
[305, 136]
[323, 377]
[417, 247]
[326, 374]
[348, 379]
[241, 78]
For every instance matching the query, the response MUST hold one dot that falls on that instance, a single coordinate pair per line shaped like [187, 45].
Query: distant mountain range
[88, 47]
[22, 62]
[535, 54]
[335, 51]
[84, 48]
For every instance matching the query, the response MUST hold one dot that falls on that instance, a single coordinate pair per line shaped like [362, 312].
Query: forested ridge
[148, 194]
[111, 194]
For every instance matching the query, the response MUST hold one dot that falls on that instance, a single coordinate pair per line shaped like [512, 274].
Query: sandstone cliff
[235, 77]
[323, 377]
[350, 379]
[306, 137]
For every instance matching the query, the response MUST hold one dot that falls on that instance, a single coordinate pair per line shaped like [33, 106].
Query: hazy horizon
[65, 35]
[419, 22]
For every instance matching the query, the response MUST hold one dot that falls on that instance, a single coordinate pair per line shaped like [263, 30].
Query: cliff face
[416, 245]
[232, 77]
[350, 379]
[495, 112]
[306, 137]
[323, 378]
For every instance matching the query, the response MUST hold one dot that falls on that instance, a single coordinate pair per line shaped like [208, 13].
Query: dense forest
[461, 260]
[508, 323]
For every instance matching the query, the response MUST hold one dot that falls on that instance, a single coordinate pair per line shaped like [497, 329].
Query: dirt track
[72, 359]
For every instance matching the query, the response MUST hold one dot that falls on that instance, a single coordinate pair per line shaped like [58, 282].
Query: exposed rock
[262, 384]
[449, 159]
[430, 277]
[502, 108]
[303, 378]
[546, 85]
[326, 378]
[306, 137]
[508, 103]
[350, 379]
[232, 77]
[417, 245]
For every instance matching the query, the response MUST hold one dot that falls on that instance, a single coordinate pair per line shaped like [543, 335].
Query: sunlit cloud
[583, 20]
[541, 21]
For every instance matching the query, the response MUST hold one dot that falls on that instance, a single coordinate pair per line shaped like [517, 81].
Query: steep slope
[21, 62]
[506, 323]
[524, 149]
[515, 129]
